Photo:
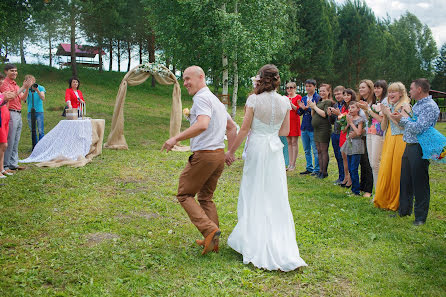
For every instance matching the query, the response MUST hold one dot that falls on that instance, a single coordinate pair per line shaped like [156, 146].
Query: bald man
[209, 122]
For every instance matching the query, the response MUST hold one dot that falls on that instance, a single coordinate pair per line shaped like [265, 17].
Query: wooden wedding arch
[136, 76]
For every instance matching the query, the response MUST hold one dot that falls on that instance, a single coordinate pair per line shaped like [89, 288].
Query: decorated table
[70, 142]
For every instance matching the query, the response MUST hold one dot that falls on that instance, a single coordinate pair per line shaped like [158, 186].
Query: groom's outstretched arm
[196, 129]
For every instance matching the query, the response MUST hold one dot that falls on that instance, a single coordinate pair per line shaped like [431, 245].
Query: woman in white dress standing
[265, 233]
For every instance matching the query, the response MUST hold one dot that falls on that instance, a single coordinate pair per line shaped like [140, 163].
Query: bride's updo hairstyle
[269, 79]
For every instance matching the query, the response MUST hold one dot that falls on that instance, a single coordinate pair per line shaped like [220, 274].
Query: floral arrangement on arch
[155, 69]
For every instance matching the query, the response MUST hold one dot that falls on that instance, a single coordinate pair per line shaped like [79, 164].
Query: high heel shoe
[348, 186]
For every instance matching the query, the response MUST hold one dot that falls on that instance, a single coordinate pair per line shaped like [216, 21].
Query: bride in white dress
[265, 233]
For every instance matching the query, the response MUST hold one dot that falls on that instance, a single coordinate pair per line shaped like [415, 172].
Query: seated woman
[73, 96]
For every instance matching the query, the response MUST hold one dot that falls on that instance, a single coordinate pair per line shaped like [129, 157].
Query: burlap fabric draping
[97, 137]
[116, 139]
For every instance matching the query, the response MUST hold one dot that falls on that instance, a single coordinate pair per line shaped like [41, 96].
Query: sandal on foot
[4, 172]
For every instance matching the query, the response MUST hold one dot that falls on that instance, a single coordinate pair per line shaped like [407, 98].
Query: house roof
[437, 94]
[64, 49]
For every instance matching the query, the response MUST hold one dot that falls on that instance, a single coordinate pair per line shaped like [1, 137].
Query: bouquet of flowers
[376, 108]
[342, 121]
[186, 113]
[155, 68]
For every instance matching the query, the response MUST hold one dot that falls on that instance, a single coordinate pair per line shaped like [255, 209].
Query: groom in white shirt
[209, 121]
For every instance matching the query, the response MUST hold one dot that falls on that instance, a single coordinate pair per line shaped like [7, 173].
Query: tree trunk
[235, 89]
[140, 52]
[225, 77]
[110, 63]
[129, 52]
[100, 56]
[50, 46]
[22, 51]
[358, 63]
[73, 40]
[119, 55]
[151, 44]
[167, 62]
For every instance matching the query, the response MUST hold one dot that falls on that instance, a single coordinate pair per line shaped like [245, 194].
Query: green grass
[114, 228]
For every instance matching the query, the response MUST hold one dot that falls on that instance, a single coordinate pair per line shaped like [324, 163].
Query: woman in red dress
[293, 136]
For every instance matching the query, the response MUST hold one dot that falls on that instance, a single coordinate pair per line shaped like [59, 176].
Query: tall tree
[313, 52]
[52, 22]
[439, 82]
[99, 18]
[413, 50]
[358, 38]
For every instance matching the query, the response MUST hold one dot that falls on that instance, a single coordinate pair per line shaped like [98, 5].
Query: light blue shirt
[396, 129]
[38, 103]
[425, 115]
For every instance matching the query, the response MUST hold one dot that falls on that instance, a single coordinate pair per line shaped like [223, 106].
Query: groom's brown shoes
[200, 242]
[209, 241]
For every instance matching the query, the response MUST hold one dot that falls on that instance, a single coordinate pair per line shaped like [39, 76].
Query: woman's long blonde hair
[400, 88]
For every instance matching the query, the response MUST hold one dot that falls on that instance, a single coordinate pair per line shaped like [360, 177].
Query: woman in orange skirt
[387, 193]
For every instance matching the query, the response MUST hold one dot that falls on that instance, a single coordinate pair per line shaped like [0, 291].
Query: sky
[429, 12]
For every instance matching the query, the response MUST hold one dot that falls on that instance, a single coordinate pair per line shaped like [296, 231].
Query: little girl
[354, 146]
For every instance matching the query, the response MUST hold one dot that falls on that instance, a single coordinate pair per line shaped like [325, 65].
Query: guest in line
[322, 127]
[354, 146]
[366, 95]
[375, 134]
[4, 126]
[387, 191]
[293, 136]
[349, 97]
[73, 96]
[11, 159]
[414, 169]
[336, 134]
[307, 131]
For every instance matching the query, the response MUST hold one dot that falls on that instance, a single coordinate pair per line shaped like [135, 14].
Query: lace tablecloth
[68, 140]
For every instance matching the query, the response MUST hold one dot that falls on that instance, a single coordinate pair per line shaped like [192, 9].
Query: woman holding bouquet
[387, 192]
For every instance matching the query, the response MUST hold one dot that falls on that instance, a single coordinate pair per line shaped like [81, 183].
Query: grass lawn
[114, 227]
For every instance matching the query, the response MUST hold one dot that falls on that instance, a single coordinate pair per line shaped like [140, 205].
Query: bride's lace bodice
[270, 109]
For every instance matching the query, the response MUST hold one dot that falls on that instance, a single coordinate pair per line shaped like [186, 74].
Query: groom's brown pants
[200, 177]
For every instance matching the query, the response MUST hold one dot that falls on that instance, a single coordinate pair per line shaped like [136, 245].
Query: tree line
[232, 39]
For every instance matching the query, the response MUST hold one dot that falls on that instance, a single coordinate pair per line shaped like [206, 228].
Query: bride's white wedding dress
[265, 233]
